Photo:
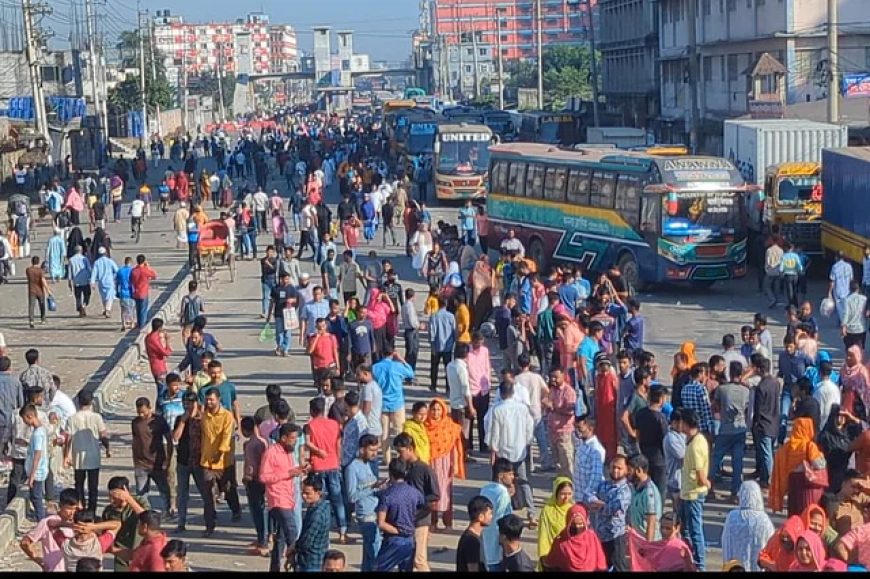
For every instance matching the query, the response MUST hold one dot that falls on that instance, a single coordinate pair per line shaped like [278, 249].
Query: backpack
[190, 309]
[2, 250]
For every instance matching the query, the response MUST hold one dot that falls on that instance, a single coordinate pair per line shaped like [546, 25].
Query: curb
[169, 301]
[130, 350]
[10, 521]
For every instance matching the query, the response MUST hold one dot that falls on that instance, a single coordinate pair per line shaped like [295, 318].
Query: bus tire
[538, 254]
[630, 271]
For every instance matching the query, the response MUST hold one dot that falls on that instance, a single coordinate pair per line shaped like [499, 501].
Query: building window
[732, 67]
[708, 68]
[732, 5]
[666, 13]
[749, 3]
[454, 75]
[768, 84]
[707, 7]
[867, 57]
[469, 51]
[721, 6]
[482, 51]
[468, 68]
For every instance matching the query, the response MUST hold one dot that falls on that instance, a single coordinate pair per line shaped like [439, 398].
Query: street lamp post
[499, 11]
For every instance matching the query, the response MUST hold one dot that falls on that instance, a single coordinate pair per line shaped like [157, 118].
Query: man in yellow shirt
[463, 319]
[694, 486]
[218, 459]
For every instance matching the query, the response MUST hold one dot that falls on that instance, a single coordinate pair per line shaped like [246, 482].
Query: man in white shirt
[87, 431]
[513, 245]
[508, 436]
[827, 394]
[459, 388]
[137, 210]
[260, 202]
[308, 236]
[536, 387]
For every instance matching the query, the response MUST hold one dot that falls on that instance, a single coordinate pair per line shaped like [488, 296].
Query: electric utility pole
[95, 75]
[33, 52]
[154, 73]
[499, 11]
[540, 21]
[142, 87]
[833, 63]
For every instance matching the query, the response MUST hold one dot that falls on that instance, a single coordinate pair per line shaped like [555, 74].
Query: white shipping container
[753, 145]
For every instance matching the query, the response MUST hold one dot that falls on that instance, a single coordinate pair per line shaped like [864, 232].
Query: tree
[567, 73]
[126, 95]
[206, 84]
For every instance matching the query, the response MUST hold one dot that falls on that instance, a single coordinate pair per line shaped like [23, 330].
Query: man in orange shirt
[140, 280]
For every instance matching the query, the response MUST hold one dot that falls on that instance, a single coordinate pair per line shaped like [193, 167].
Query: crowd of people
[572, 394]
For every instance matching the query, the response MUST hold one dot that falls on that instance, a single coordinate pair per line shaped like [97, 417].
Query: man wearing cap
[103, 279]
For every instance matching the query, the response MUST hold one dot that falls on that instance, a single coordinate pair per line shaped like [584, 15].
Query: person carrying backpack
[191, 308]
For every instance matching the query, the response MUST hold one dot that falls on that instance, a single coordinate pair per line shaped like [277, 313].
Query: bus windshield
[464, 157]
[797, 191]
[711, 216]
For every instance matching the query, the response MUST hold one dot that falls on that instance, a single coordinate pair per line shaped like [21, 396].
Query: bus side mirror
[437, 146]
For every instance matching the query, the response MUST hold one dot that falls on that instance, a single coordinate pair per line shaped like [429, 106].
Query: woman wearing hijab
[778, 554]
[446, 458]
[809, 553]
[835, 440]
[688, 348]
[226, 190]
[452, 281]
[554, 516]
[789, 476]
[813, 371]
[747, 529]
[421, 246]
[855, 380]
[577, 548]
[606, 391]
[100, 240]
[73, 240]
[482, 284]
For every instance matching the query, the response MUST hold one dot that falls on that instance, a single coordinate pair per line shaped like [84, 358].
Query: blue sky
[381, 26]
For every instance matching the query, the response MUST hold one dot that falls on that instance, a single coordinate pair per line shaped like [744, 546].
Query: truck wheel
[630, 271]
[537, 254]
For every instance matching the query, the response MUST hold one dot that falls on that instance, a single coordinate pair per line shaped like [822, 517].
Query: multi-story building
[731, 36]
[628, 44]
[205, 47]
[564, 22]
[458, 63]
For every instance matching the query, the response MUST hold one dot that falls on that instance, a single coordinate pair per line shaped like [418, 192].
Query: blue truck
[846, 202]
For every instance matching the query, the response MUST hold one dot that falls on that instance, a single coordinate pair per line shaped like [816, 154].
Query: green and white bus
[660, 219]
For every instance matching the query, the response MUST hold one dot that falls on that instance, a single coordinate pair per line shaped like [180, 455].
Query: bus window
[627, 201]
[554, 184]
[651, 213]
[517, 180]
[500, 176]
[578, 186]
[603, 194]
[535, 181]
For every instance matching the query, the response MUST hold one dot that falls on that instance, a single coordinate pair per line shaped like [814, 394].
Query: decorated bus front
[696, 212]
[462, 162]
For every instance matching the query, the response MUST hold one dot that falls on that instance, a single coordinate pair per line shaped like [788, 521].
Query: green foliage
[126, 96]
[567, 73]
[206, 84]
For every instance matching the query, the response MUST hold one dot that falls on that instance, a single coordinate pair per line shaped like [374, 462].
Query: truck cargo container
[621, 137]
[782, 156]
[845, 203]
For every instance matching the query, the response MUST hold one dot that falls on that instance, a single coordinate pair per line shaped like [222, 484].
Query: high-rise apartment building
[563, 22]
[204, 47]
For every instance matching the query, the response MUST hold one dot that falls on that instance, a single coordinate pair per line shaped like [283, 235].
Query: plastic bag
[267, 334]
[291, 319]
[51, 304]
[827, 307]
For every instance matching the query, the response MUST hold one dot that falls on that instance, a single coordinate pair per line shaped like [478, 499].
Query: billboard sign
[856, 85]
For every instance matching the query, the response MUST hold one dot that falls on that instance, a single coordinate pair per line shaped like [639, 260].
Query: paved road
[233, 309]
[80, 350]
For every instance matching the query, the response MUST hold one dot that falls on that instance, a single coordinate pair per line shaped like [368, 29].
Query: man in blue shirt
[391, 373]
[442, 338]
[362, 489]
[568, 294]
[467, 223]
[790, 267]
[311, 312]
[397, 510]
[589, 347]
[793, 365]
[633, 333]
[80, 279]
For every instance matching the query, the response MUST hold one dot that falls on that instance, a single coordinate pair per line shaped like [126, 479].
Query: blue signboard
[856, 85]
[423, 129]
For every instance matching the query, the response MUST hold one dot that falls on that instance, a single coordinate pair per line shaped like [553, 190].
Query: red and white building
[205, 47]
